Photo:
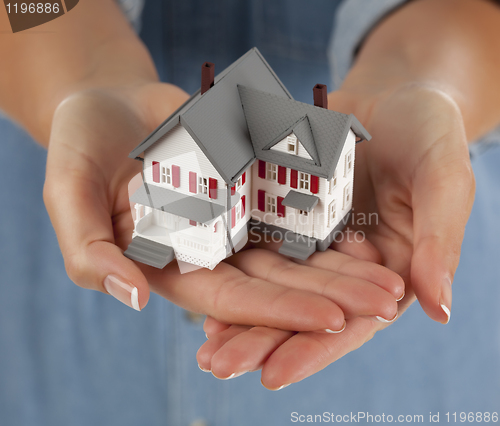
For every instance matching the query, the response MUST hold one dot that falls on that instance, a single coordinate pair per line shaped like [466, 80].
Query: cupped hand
[86, 196]
[413, 193]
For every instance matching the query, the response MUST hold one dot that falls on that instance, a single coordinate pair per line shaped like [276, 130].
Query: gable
[178, 147]
[292, 145]
[270, 118]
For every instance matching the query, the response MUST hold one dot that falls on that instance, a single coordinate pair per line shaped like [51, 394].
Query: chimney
[320, 96]
[207, 76]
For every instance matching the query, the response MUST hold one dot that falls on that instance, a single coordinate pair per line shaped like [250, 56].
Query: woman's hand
[414, 181]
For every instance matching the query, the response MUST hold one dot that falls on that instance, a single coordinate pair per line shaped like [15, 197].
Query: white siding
[178, 148]
[342, 181]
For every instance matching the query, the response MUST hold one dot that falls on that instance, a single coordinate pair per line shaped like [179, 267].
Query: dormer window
[292, 144]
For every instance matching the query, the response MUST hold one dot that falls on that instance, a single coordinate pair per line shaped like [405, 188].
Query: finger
[307, 353]
[233, 297]
[352, 267]
[211, 327]
[354, 296]
[237, 354]
[212, 345]
[442, 201]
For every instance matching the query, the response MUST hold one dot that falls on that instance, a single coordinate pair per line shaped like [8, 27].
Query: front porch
[193, 242]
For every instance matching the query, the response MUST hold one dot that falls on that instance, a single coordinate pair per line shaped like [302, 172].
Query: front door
[304, 222]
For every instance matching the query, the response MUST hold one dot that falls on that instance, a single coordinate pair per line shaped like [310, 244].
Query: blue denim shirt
[69, 356]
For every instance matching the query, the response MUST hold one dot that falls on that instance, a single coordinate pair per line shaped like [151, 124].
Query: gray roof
[271, 117]
[193, 207]
[215, 120]
[248, 111]
[300, 201]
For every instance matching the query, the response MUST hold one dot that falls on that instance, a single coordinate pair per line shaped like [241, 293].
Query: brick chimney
[320, 96]
[207, 76]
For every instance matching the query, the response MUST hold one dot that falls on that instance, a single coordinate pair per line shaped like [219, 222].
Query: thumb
[443, 194]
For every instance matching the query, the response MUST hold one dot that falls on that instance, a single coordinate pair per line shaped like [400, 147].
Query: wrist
[116, 67]
[444, 45]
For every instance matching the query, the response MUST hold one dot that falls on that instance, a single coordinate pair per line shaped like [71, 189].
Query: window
[238, 211]
[303, 213]
[238, 184]
[347, 196]
[271, 171]
[166, 175]
[203, 185]
[291, 144]
[333, 183]
[304, 181]
[332, 213]
[348, 162]
[270, 203]
[202, 225]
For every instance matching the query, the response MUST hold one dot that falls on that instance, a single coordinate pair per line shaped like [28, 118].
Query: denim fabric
[132, 10]
[72, 357]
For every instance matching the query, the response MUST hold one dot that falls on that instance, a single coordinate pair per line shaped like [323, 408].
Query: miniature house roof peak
[215, 120]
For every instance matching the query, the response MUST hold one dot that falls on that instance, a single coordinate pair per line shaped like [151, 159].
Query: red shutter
[215, 226]
[156, 172]
[281, 175]
[192, 222]
[314, 184]
[281, 207]
[212, 188]
[176, 176]
[233, 190]
[293, 178]
[192, 182]
[244, 178]
[261, 200]
[233, 217]
[262, 169]
[243, 205]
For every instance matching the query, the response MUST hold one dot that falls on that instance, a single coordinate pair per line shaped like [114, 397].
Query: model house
[242, 153]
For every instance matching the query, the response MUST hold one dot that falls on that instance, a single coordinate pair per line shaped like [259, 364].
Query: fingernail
[402, 296]
[445, 300]
[275, 389]
[123, 291]
[202, 369]
[283, 386]
[335, 331]
[386, 321]
[232, 376]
